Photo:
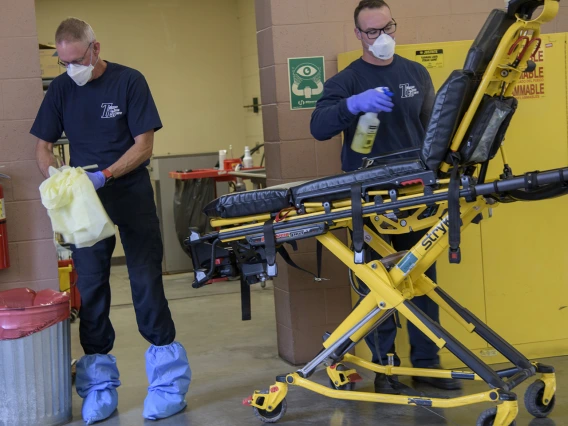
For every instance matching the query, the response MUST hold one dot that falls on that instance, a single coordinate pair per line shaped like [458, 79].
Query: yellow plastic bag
[75, 210]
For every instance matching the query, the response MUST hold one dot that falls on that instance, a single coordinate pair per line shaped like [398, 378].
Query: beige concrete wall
[190, 53]
[32, 253]
[305, 309]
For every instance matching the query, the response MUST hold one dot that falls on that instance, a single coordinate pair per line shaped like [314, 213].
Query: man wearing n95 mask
[403, 105]
[109, 116]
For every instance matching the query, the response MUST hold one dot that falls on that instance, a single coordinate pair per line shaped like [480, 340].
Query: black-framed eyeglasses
[375, 33]
[76, 62]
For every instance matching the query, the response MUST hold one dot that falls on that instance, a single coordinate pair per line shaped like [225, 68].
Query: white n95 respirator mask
[383, 47]
[81, 74]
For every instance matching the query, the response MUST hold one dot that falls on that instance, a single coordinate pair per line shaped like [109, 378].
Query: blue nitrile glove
[97, 178]
[372, 100]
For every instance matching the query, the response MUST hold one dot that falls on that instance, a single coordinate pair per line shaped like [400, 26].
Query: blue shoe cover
[169, 375]
[96, 382]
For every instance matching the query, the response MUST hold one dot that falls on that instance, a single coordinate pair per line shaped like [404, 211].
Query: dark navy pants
[129, 202]
[423, 352]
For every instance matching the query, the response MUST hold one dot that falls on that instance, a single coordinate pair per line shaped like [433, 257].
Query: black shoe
[445, 384]
[387, 384]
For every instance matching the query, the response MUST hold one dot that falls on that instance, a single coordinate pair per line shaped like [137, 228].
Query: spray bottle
[222, 158]
[247, 159]
[366, 132]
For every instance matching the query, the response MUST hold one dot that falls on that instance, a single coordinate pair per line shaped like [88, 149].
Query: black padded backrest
[452, 101]
[454, 97]
[485, 45]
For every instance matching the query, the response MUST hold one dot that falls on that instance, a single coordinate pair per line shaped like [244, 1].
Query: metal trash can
[35, 358]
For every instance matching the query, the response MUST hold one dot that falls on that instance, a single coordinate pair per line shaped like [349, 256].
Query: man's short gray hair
[73, 29]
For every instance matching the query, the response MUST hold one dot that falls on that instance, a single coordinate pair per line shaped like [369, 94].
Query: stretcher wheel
[73, 315]
[273, 416]
[73, 371]
[347, 386]
[535, 404]
[487, 418]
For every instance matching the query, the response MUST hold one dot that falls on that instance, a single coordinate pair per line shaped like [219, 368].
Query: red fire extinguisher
[4, 254]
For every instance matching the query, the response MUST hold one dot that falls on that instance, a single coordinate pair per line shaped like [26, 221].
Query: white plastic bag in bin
[75, 210]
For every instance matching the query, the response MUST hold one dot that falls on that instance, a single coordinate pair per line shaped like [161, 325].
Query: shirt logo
[110, 111]
[408, 91]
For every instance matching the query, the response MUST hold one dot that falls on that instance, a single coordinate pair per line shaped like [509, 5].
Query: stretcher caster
[346, 387]
[338, 378]
[73, 315]
[487, 418]
[534, 402]
[273, 416]
[73, 371]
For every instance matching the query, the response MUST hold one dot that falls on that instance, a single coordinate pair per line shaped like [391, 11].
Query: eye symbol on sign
[307, 71]
[307, 81]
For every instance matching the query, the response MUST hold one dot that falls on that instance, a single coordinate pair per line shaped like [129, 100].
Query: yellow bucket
[65, 278]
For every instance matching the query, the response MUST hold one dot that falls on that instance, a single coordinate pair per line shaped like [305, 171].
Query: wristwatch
[109, 178]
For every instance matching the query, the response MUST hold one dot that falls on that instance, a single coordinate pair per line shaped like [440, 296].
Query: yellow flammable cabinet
[514, 272]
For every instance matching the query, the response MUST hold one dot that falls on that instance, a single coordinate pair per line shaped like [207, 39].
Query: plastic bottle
[367, 129]
[247, 160]
[222, 158]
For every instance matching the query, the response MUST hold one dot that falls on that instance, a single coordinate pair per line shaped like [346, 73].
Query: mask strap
[91, 61]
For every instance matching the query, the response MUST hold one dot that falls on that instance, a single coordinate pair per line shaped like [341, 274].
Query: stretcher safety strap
[319, 251]
[270, 247]
[245, 300]
[286, 256]
[454, 210]
[357, 220]
[271, 250]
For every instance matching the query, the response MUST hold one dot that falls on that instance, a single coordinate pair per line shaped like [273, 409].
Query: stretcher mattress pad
[277, 198]
[384, 177]
[249, 203]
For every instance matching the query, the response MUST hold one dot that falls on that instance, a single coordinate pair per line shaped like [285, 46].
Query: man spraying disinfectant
[367, 128]
[375, 122]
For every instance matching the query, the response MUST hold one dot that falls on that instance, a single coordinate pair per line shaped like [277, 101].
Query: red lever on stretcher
[528, 44]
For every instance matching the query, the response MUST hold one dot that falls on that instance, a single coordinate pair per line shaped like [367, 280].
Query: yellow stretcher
[443, 188]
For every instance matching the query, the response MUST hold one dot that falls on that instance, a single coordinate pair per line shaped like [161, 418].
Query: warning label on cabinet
[433, 58]
[531, 85]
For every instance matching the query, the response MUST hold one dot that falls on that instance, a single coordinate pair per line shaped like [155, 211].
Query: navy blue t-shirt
[100, 119]
[403, 128]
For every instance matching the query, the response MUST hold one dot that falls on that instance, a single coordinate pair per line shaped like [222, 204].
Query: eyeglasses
[76, 62]
[375, 33]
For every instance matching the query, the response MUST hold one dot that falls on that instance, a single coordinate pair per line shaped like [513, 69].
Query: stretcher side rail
[497, 190]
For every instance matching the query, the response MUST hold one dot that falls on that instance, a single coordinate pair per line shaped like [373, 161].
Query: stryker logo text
[434, 235]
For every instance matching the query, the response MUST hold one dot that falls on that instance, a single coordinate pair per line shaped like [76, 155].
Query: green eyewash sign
[306, 76]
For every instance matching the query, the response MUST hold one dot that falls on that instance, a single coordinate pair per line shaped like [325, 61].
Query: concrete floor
[230, 359]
